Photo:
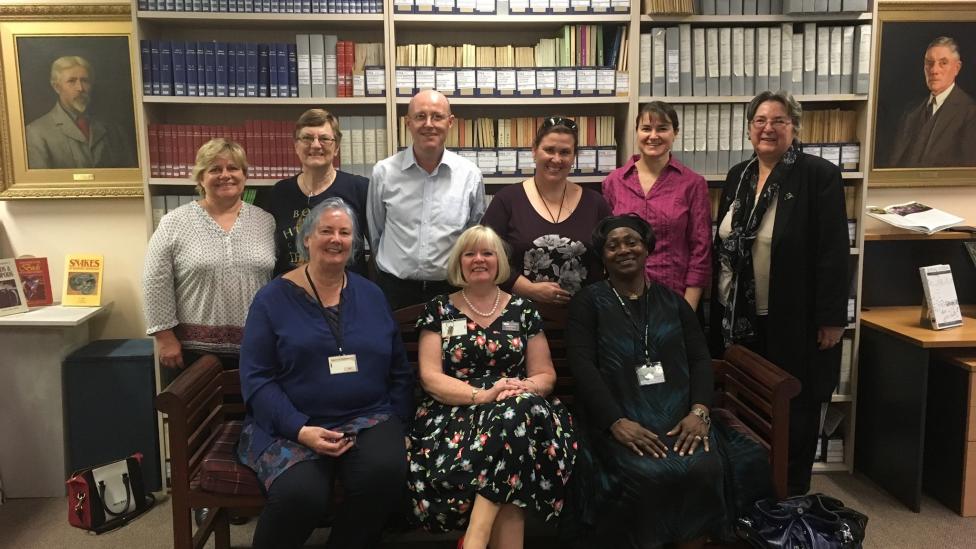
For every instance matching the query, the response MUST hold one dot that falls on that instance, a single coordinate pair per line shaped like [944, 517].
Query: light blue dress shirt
[415, 216]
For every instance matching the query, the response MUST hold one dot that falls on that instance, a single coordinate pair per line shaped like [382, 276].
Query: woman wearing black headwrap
[651, 466]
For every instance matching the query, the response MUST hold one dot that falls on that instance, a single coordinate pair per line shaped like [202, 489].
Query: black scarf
[735, 251]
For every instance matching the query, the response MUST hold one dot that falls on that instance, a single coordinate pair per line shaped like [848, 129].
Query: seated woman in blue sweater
[328, 392]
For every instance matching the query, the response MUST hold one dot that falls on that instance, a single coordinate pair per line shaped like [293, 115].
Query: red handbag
[108, 496]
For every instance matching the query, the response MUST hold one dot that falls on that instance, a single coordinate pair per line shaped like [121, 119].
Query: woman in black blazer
[780, 282]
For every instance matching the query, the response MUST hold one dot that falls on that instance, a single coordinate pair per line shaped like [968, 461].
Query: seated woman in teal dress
[652, 468]
[486, 444]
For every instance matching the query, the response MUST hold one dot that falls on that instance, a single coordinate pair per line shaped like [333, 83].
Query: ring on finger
[698, 437]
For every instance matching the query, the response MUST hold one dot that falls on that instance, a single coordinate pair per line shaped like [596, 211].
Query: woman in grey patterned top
[206, 261]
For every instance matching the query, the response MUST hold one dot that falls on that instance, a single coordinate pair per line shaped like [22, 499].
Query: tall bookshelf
[392, 27]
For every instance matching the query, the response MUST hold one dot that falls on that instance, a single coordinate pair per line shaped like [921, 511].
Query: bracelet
[702, 415]
[474, 393]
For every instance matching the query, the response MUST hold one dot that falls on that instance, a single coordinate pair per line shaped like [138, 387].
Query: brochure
[914, 216]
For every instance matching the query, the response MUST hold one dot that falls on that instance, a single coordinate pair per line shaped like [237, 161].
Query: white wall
[114, 228]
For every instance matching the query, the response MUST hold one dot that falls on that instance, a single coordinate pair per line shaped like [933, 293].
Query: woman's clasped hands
[507, 387]
[325, 442]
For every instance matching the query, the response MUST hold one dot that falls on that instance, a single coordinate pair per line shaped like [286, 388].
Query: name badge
[343, 364]
[650, 374]
[510, 326]
[452, 328]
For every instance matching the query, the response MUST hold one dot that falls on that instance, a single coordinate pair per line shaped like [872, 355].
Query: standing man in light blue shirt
[420, 200]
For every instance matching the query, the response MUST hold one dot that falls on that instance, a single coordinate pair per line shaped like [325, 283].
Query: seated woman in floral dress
[486, 444]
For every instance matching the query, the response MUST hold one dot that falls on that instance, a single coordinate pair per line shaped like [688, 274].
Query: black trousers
[373, 476]
[804, 426]
[401, 293]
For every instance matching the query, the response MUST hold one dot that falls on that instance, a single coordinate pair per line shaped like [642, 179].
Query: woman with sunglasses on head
[547, 220]
[317, 137]
[780, 267]
[672, 198]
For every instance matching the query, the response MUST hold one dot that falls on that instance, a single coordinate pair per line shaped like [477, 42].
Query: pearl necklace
[498, 298]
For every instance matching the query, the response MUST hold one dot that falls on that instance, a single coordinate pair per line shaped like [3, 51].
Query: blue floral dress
[517, 451]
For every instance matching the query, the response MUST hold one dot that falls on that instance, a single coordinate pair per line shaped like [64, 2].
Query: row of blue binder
[218, 69]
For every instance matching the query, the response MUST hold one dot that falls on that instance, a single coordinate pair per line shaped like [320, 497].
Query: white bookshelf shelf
[239, 20]
[721, 176]
[841, 398]
[465, 21]
[316, 101]
[548, 100]
[818, 98]
[738, 20]
[509, 179]
[187, 182]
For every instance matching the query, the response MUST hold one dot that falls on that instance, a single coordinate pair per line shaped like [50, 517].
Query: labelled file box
[538, 7]
[545, 81]
[467, 81]
[486, 81]
[831, 153]
[623, 84]
[599, 6]
[585, 161]
[425, 78]
[444, 81]
[506, 82]
[850, 157]
[586, 81]
[405, 81]
[375, 81]
[620, 6]
[559, 6]
[606, 81]
[606, 159]
[526, 162]
[423, 6]
[519, 7]
[580, 6]
[566, 81]
[485, 7]
[403, 6]
[443, 6]
[469, 154]
[507, 161]
[488, 161]
[525, 85]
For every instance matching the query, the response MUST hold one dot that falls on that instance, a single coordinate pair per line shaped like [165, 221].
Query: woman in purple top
[547, 221]
[672, 198]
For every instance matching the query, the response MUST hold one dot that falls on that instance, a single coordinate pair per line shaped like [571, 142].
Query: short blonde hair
[479, 234]
[208, 153]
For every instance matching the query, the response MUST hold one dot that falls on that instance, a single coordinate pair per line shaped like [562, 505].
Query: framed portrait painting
[68, 113]
[924, 85]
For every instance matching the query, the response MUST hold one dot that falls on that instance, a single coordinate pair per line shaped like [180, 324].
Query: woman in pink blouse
[672, 198]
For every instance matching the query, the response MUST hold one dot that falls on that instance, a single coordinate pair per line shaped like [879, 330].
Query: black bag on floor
[108, 496]
[813, 521]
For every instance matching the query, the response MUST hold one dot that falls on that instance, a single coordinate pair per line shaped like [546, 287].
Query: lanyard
[633, 321]
[337, 329]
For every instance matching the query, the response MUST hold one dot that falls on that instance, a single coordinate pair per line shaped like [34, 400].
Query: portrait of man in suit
[939, 129]
[70, 135]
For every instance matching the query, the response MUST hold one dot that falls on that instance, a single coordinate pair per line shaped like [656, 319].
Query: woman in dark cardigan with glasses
[547, 220]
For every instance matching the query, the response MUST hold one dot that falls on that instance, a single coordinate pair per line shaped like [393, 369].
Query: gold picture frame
[38, 158]
[910, 147]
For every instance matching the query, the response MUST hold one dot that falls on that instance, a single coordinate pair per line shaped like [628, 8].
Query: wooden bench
[205, 412]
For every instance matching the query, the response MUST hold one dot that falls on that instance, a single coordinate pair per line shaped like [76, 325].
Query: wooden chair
[204, 408]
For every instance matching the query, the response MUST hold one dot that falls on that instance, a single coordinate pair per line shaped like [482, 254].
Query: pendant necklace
[555, 219]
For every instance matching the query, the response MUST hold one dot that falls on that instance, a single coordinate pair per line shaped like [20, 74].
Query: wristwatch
[474, 393]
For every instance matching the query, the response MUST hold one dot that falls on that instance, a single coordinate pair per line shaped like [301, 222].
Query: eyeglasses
[308, 140]
[776, 123]
[421, 117]
[559, 121]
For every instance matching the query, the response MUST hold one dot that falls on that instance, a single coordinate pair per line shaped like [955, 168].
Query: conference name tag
[510, 326]
[650, 374]
[452, 328]
[343, 364]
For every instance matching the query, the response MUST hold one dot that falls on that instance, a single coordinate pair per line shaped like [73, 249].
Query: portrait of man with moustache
[70, 136]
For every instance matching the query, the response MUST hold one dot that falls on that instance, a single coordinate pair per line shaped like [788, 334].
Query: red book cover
[591, 131]
[340, 68]
[187, 151]
[153, 150]
[350, 54]
[36, 279]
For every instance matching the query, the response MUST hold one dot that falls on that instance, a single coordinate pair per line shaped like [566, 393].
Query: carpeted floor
[42, 524]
